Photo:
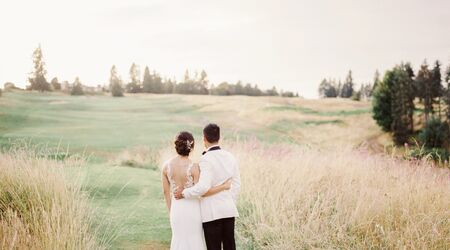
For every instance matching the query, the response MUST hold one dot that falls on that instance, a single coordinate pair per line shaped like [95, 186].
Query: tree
[223, 88]
[239, 89]
[37, 78]
[381, 102]
[186, 76]
[447, 92]
[270, 92]
[339, 88]
[193, 86]
[158, 86]
[288, 94]
[402, 105]
[147, 81]
[9, 86]
[204, 78]
[115, 83]
[424, 89]
[77, 88]
[327, 89]
[436, 82]
[366, 91]
[55, 84]
[134, 86]
[376, 81]
[347, 88]
[169, 86]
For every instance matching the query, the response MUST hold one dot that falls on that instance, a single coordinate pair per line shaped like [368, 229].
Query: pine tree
[204, 78]
[77, 88]
[186, 77]
[239, 89]
[347, 88]
[376, 81]
[402, 105]
[134, 86]
[447, 92]
[412, 92]
[169, 86]
[381, 102]
[37, 78]
[322, 88]
[115, 83]
[158, 85]
[437, 88]
[424, 87]
[147, 81]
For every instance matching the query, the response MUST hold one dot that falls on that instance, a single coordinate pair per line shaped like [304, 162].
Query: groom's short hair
[212, 133]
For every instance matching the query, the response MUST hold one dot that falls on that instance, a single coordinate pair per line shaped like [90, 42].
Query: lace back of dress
[189, 178]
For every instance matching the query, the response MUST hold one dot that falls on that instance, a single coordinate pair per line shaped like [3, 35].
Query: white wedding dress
[185, 217]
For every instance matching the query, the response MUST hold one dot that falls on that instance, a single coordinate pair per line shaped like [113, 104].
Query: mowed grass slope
[105, 124]
[94, 123]
[102, 127]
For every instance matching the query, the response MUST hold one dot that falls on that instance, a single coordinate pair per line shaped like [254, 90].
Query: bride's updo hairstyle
[184, 143]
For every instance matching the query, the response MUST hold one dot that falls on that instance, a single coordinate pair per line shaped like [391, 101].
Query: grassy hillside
[104, 124]
[126, 138]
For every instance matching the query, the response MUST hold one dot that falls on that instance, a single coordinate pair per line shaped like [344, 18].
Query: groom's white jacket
[216, 167]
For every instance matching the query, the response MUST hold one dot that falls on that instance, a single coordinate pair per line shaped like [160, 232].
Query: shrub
[439, 155]
[356, 96]
[435, 134]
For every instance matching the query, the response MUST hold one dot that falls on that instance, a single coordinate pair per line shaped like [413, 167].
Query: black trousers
[220, 232]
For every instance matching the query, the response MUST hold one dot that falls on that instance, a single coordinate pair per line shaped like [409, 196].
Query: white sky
[290, 44]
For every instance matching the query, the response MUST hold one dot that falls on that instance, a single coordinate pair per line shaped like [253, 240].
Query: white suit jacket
[216, 166]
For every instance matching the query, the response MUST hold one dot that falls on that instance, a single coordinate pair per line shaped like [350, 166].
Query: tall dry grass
[39, 208]
[299, 198]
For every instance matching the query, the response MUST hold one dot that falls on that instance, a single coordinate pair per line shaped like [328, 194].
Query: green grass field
[101, 127]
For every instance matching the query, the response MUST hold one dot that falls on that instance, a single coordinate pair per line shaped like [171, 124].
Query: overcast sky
[289, 44]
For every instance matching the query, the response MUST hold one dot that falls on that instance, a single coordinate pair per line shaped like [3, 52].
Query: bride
[185, 214]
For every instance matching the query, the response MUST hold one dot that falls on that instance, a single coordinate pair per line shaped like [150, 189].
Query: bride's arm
[217, 189]
[166, 187]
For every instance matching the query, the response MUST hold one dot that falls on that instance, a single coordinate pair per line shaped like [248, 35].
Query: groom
[219, 210]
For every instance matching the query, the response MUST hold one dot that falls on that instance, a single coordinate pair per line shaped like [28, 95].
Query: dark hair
[212, 133]
[184, 143]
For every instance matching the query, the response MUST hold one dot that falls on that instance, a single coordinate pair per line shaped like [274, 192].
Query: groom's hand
[178, 193]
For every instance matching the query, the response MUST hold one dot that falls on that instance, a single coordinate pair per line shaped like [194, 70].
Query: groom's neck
[210, 145]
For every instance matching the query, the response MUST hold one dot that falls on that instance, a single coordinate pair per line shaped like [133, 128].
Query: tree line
[151, 82]
[330, 88]
[414, 106]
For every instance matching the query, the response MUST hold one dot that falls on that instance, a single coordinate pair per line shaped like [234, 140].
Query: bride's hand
[227, 184]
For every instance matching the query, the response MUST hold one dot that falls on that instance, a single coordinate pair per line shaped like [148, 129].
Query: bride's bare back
[181, 172]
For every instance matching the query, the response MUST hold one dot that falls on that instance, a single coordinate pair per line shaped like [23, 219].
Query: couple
[201, 197]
